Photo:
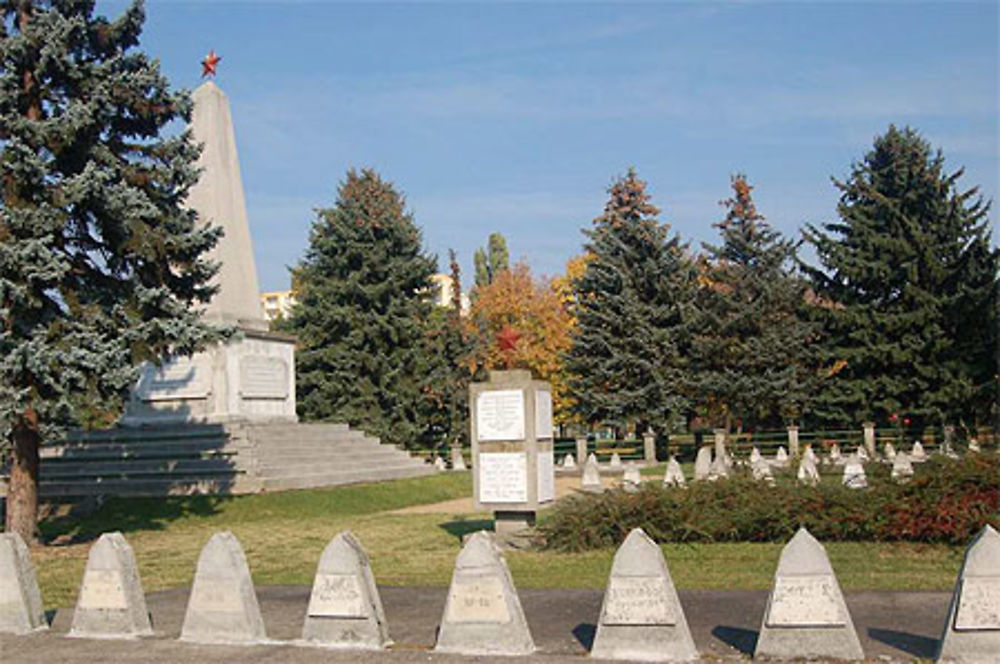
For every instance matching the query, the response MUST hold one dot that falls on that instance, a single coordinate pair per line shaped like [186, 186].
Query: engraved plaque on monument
[637, 600]
[179, 378]
[102, 589]
[546, 476]
[804, 601]
[337, 596]
[263, 377]
[503, 477]
[543, 414]
[474, 600]
[500, 415]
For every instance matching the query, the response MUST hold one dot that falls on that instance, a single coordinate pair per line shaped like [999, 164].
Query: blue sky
[516, 117]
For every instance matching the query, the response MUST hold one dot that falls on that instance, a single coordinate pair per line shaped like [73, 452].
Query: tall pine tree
[910, 281]
[492, 260]
[100, 261]
[627, 362]
[362, 314]
[750, 349]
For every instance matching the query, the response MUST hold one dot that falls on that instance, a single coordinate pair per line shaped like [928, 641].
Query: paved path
[899, 626]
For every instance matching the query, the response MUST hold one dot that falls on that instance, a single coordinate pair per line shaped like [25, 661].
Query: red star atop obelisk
[209, 64]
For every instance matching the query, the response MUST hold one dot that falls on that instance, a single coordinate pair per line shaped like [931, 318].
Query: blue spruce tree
[100, 261]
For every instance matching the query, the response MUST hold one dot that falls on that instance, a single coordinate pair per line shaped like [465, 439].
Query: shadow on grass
[912, 644]
[462, 527]
[744, 640]
[126, 515]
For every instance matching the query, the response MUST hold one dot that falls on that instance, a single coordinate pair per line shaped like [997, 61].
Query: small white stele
[805, 601]
[337, 596]
[543, 414]
[500, 415]
[478, 600]
[546, 466]
[221, 596]
[638, 600]
[978, 604]
[102, 589]
[503, 477]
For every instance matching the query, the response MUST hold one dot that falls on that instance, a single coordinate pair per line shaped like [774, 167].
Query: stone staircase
[217, 459]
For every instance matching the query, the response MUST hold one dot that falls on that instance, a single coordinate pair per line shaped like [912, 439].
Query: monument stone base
[251, 378]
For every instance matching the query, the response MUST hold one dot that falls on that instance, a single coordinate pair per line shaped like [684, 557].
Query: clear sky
[516, 117]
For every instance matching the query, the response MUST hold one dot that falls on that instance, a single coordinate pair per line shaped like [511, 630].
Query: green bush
[946, 501]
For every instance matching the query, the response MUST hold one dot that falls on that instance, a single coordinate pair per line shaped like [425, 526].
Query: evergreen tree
[910, 282]
[633, 304]
[100, 262]
[450, 372]
[750, 348]
[491, 261]
[362, 314]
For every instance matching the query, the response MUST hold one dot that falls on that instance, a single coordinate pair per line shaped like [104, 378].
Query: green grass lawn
[283, 535]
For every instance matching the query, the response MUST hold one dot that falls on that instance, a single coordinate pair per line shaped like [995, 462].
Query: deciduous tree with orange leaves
[516, 301]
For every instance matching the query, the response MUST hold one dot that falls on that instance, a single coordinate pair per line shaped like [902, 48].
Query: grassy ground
[283, 535]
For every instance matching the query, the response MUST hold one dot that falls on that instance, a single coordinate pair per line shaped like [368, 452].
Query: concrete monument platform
[892, 627]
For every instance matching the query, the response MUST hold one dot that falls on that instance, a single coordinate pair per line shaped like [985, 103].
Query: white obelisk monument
[253, 377]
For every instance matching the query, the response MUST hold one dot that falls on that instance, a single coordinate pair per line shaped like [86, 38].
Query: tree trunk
[22, 493]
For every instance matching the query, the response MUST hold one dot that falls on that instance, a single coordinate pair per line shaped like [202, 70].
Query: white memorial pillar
[513, 461]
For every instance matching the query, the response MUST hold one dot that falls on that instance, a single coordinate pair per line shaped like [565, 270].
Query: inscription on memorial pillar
[102, 589]
[337, 596]
[179, 378]
[263, 377]
[500, 415]
[978, 604]
[546, 465]
[503, 477]
[805, 601]
[543, 414]
[216, 596]
[477, 600]
[637, 600]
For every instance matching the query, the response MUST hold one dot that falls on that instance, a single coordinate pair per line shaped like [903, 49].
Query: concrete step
[140, 434]
[111, 452]
[179, 486]
[276, 453]
[333, 479]
[136, 468]
[293, 469]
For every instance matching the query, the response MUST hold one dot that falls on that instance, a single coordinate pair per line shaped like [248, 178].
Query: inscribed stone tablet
[638, 600]
[337, 596]
[220, 596]
[979, 604]
[180, 378]
[543, 414]
[546, 462]
[102, 589]
[503, 477]
[804, 601]
[263, 377]
[500, 415]
[477, 600]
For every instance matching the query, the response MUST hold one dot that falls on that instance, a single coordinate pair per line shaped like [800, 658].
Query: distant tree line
[897, 318]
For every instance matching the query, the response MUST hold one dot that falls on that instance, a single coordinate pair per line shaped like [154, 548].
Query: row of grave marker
[707, 468]
[641, 615]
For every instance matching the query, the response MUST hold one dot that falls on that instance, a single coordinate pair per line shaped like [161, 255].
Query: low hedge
[946, 501]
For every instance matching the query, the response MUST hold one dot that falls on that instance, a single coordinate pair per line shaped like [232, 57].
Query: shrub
[947, 501]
